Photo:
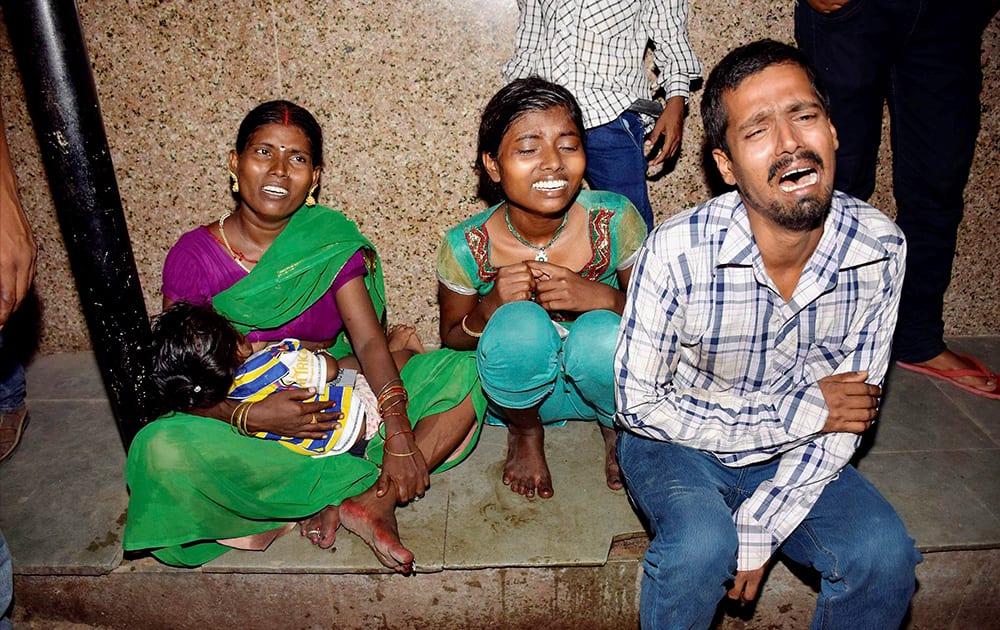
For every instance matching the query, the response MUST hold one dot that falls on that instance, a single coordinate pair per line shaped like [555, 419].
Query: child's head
[195, 354]
[513, 101]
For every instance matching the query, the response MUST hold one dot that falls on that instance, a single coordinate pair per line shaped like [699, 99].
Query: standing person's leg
[851, 49]
[616, 162]
[13, 413]
[6, 584]
[934, 105]
[683, 494]
[863, 553]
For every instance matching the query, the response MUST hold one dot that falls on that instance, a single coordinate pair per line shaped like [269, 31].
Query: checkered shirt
[596, 49]
[710, 356]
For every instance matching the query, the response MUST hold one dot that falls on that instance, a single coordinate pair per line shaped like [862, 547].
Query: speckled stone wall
[397, 88]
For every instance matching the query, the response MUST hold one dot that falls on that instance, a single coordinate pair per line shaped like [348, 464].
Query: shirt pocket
[609, 20]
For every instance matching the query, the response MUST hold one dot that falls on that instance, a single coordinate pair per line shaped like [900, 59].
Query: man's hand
[852, 402]
[747, 585]
[670, 125]
[827, 6]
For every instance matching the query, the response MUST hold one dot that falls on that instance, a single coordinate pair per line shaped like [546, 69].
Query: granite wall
[397, 88]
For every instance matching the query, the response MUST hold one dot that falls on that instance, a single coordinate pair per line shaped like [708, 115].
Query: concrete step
[485, 557]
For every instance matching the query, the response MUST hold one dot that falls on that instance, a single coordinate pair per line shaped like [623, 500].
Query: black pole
[59, 86]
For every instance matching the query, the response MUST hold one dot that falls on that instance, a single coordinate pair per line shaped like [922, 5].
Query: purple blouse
[197, 268]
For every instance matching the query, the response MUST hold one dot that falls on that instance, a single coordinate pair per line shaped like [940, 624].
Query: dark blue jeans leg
[934, 120]
[6, 584]
[615, 161]
[12, 385]
[852, 49]
[863, 553]
[692, 553]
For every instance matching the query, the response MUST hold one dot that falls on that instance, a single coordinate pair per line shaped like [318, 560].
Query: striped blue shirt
[710, 356]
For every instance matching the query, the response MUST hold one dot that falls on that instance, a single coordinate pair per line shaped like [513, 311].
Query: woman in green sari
[278, 267]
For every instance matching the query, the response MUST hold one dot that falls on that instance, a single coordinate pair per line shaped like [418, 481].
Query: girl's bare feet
[526, 471]
[404, 337]
[374, 520]
[321, 528]
[612, 471]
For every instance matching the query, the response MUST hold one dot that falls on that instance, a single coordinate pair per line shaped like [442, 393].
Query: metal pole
[54, 65]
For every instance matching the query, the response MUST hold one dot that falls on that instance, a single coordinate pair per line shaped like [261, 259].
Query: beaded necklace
[541, 256]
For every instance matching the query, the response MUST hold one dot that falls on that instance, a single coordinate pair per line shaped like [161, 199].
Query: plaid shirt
[711, 356]
[596, 49]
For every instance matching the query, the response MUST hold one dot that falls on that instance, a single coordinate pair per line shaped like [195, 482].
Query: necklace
[235, 254]
[541, 256]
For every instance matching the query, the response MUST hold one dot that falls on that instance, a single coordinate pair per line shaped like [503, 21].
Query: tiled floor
[935, 455]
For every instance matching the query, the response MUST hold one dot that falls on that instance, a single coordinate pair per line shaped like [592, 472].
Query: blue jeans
[616, 162]
[522, 361]
[923, 57]
[6, 584]
[12, 388]
[852, 537]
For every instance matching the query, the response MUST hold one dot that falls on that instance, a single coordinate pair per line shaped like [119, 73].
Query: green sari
[194, 481]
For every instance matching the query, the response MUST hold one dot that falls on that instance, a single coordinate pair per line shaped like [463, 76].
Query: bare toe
[526, 471]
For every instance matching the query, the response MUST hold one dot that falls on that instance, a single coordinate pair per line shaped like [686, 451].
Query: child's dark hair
[196, 353]
[514, 100]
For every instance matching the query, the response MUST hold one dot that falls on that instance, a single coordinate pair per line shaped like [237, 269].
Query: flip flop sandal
[949, 375]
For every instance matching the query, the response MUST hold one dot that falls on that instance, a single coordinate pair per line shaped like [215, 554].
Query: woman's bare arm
[408, 471]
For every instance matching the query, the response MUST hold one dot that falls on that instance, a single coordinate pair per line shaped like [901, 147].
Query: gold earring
[311, 200]
[235, 186]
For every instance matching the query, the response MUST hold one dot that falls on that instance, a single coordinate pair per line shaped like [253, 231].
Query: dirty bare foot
[321, 528]
[404, 337]
[612, 471]
[374, 519]
[526, 471]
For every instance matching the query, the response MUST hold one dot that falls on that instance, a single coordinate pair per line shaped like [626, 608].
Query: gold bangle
[238, 419]
[388, 452]
[466, 330]
[389, 384]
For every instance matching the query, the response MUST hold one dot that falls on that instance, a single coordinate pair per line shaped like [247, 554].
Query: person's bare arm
[282, 413]
[17, 245]
[408, 470]
[513, 283]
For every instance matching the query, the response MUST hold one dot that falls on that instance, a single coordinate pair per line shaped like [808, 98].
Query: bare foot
[404, 337]
[526, 471]
[948, 360]
[612, 472]
[374, 519]
[321, 528]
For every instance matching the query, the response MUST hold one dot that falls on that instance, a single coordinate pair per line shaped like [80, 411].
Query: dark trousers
[923, 58]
